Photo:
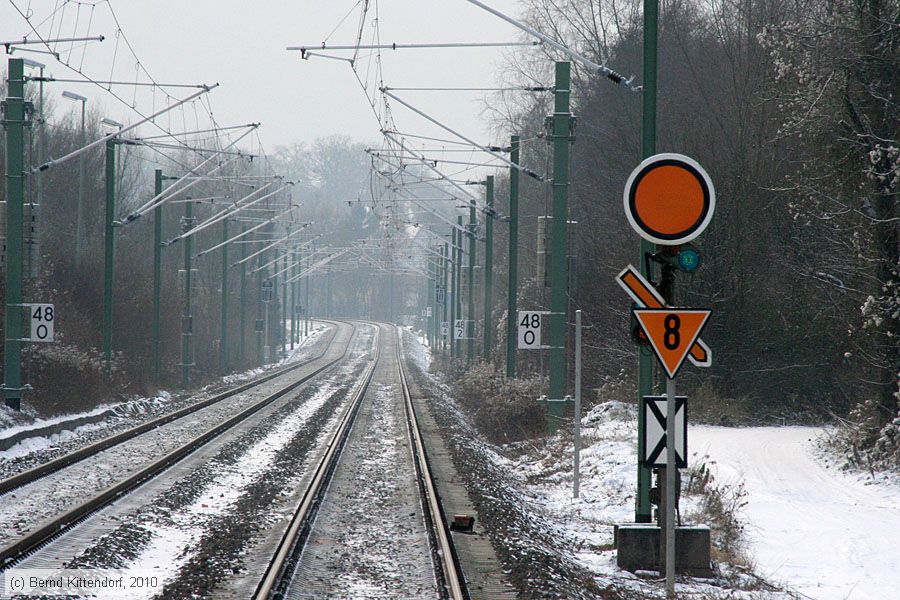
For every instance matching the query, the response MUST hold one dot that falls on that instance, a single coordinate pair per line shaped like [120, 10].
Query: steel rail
[60, 524]
[453, 578]
[278, 574]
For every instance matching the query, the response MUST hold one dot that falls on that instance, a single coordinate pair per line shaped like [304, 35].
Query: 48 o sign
[529, 331]
[41, 317]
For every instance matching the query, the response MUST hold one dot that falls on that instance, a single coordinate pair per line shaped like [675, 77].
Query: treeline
[791, 106]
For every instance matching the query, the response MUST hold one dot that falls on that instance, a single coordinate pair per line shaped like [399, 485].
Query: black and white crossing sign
[41, 317]
[531, 323]
[655, 432]
[445, 328]
[267, 290]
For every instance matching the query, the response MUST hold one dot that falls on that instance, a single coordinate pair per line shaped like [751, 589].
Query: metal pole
[453, 277]
[488, 267]
[558, 268]
[242, 356]
[223, 335]
[186, 321]
[470, 312]
[643, 510]
[157, 274]
[444, 281]
[429, 303]
[294, 300]
[670, 488]
[267, 351]
[283, 329]
[458, 291]
[306, 294]
[14, 121]
[40, 141]
[109, 243]
[513, 285]
[79, 211]
[435, 314]
[577, 466]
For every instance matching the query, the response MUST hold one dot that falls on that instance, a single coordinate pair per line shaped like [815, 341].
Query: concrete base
[637, 548]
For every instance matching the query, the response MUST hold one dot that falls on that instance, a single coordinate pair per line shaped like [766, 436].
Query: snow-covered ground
[825, 533]
[544, 476]
[135, 409]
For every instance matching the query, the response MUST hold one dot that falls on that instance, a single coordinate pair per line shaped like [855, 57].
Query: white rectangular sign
[529, 330]
[41, 317]
[445, 328]
[459, 329]
[655, 432]
[428, 312]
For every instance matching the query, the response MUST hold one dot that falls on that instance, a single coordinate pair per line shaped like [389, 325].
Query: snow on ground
[12, 423]
[606, 494]
[608, 473]
[172, 544]
[827, 534]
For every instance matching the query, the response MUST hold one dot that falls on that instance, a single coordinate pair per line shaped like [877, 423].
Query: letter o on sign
[669, 199]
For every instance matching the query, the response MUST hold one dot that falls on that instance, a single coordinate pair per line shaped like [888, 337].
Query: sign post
[669, 200]
[577, 466]
[672, 333]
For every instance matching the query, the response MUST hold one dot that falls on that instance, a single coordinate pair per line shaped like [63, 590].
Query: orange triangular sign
[672, 332]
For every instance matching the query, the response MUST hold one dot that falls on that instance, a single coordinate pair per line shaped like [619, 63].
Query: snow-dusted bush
[71, 378]
[865, 441]
[505, 410]
[885, 454]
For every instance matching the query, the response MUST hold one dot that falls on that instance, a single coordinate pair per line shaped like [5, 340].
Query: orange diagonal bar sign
[646, 296]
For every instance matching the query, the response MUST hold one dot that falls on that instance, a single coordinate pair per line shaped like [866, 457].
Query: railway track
[52, 528]
[361, 415]
[20, 479]
[291, 573]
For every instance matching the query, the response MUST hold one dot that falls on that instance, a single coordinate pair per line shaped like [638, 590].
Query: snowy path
[825, 534]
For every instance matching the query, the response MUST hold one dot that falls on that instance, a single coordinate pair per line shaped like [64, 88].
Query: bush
[504, 410]
[70, 379]
[865, 441]
[708, 405]
[719, 506]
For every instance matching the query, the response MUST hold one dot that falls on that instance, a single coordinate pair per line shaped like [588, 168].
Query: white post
[670, 488]
[577, 479]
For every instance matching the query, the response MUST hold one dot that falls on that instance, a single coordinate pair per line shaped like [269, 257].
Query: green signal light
[688, 259]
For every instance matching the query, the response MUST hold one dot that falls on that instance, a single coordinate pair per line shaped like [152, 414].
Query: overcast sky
[241, 45]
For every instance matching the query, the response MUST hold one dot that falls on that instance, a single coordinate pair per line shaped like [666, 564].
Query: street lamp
[79, 232]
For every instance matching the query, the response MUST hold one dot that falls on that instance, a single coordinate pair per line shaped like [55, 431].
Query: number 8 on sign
[672, 332]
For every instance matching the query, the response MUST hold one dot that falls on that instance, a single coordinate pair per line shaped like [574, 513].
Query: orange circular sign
[669, 199]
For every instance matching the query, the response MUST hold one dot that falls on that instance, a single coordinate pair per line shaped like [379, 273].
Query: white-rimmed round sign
[669, 199]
